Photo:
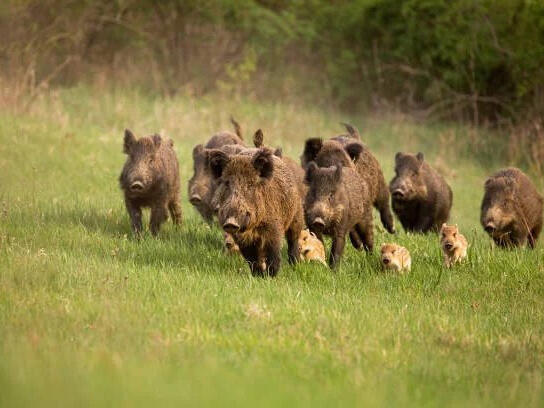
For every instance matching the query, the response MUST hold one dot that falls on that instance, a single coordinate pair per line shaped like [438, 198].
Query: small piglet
[395, 257]
[150, 178]
[454, 245]
[338, 203]
[311, 248]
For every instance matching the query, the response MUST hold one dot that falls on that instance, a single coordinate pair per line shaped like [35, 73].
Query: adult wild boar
[511, 210]
[201, 184]
[150, 178]
[338, 203]
[258, 203]
[346, 149]
[421, 197]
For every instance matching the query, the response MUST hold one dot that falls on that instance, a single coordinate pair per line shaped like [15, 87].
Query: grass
[91, 317]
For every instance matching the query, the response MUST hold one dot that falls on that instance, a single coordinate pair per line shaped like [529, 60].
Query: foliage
[460, 59]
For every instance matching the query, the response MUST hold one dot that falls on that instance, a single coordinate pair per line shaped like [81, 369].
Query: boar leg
[251, 255]
[382, 205]
[533, 236]
[135, 214]
[158, 216]
[337, 249]
[292, 235]
[355, 239]
[273, 256]
[425, 222]
[175, 211]
[367, 235]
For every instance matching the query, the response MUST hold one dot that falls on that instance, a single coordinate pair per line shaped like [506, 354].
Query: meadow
[90, 316]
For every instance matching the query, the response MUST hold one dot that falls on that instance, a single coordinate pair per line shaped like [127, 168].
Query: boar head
[242, 179]
[408, 183]
[141, 171]
[499, 206]
[325, 199]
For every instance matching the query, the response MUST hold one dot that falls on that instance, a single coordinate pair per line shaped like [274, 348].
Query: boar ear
[128, 141]
[217, 160]
[258, 138]
[354, 150]
[170, 143]
[156, 140]
[398, 156]
[278, 152]
[310, 171]
[443, 226]
[237, 127]
[312, 148]
[353, 132]
[337, 173]
[263, 162]
[198, 149]
[420, 157]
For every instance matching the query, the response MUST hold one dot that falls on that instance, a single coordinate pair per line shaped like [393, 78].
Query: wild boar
[346, 150]
[201, 186]
[258, 203]
[421, 197]
[337, 203]
[511, 211]
[454, 245]
[150, 178]
[395, 257]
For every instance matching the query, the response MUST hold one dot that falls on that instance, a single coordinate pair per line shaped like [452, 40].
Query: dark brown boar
[421, 197]
[511, 210]
[338, 203]
[150, 178]
[345, 149]
[258, 204]
[201, 186]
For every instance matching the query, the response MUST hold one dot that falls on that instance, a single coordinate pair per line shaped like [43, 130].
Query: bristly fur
[513, 206]
[426, 198]
[348, 151]
[338, 197]
[151, 163]
[258, 192]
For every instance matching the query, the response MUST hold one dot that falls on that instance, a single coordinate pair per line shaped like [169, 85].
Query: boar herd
[258, 197]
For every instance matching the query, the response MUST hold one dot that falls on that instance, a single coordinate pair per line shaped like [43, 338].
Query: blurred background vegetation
[472, 61]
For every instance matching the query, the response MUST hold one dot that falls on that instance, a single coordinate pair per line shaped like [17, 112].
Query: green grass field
[91, 317]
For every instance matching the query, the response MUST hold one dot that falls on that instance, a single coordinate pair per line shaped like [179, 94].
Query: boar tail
[353, 132]
[237, 127]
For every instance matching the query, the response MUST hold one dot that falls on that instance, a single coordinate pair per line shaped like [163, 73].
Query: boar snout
[386, 261]
[318, 224]
[195, 199]
[490, 227]
[231, 225]
[448, 246]
[136, 186]
[398, 193]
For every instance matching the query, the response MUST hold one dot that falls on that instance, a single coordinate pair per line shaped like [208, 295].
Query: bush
[481, 61]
